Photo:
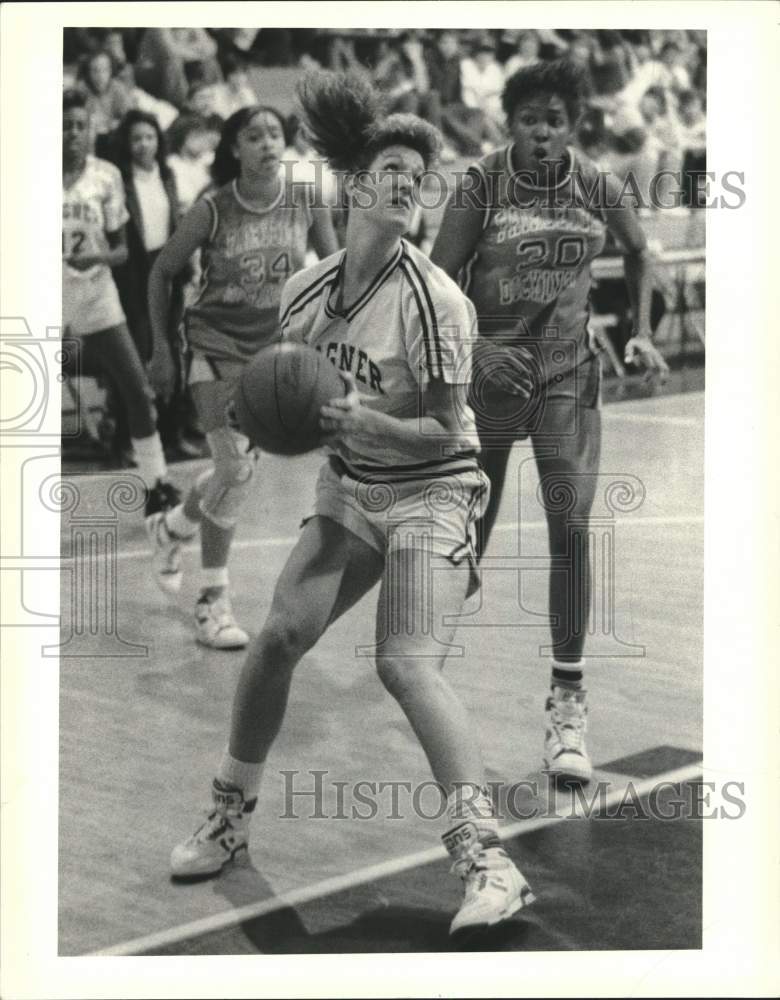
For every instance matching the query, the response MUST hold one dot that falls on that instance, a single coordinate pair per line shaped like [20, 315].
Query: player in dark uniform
[252, 232]
[520, 232]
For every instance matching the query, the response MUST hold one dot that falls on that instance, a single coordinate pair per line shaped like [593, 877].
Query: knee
[284, 640]
[404, 676]
[226, 489]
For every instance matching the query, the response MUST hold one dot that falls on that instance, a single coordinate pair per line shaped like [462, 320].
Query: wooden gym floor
[141, 733]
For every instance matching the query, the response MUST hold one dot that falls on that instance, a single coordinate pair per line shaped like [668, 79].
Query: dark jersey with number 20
[530, 273]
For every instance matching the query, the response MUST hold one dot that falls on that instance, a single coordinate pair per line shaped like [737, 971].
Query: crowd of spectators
[646, 112]
[177, 86]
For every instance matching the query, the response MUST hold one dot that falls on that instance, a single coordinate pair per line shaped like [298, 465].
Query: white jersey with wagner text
[410, 325]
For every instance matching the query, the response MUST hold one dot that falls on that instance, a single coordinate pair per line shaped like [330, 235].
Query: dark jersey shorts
[503, 416]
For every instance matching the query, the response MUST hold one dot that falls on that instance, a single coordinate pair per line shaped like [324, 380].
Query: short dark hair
[232, 62]
[124, 157]
[226, 167]
[183, 126]
[560, 77]
[73, 97]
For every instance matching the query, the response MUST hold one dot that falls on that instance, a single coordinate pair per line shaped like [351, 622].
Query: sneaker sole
[468, 931]
[169, 583]
[240, 856]
[227, 647]
[567, 775]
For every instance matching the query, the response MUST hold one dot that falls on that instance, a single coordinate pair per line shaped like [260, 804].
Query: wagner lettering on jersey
[410, 326]
[348, 358]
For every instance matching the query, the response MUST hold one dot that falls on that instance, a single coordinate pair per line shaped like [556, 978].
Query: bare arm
[427, 436]
[461, 225]
[624, 225]
[114, 256]
[322, 233]
[192, 232]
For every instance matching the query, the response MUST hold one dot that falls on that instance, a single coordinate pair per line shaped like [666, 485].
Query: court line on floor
[296, 897]
[283, 540]
[651, 418]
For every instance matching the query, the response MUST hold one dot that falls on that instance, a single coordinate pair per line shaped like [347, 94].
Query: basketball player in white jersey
[396, 502]
[93, 241]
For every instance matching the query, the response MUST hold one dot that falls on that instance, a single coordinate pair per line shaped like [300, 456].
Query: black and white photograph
[382, 465]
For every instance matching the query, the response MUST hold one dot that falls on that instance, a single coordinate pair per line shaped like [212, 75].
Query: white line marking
[650, 418]
[284, 540]
[251, 911]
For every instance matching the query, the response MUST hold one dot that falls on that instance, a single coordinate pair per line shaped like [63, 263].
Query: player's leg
[567, 447]
[327, 572]
[419, 591]
[494, 459]
[113, 349]
[213, 505]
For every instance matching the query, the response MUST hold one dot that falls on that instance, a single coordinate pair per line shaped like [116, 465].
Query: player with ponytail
[396, 501]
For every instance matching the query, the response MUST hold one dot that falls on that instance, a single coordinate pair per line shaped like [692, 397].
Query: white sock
[569, 675]
[178, 522]
[471, 820]
[217, 577]
[150, 458]
[470, 802]
[241, 774]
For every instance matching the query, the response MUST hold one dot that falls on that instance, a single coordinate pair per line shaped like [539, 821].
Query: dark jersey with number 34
[245, 264]
[529, 276]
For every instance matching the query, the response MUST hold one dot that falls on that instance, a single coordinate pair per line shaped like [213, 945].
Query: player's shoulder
[305, 286]
[427, 281]
[103, 172]
[495, 163]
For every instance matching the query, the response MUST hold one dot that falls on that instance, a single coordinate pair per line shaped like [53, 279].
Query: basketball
[279, 396]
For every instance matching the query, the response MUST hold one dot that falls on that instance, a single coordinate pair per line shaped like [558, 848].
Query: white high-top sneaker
[216, 626]
[220, 839]
[493, 887]
[166, 553]
[565, 754]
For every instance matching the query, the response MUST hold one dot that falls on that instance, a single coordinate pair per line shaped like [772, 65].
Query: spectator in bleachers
[235, 93]
[464, 126]
[580, 52]
[170, 58]
[526, 53]
[190, 156]
[592, 136]
[305, 164]
[610, 67]
[694, 147]
[108, 100]
[401, 73]
[483, 82]
[153, 207]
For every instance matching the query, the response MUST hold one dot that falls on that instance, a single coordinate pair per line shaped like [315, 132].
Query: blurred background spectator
[482, 80]
[153, 207]
[191, 143]
[108, 99]
[170, 58]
